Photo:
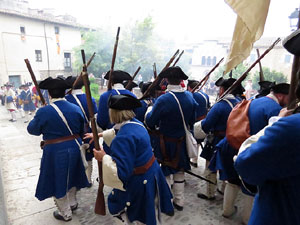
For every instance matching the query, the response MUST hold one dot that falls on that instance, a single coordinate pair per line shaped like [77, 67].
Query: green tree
[96, 41]
[236, 73]
[269, 76]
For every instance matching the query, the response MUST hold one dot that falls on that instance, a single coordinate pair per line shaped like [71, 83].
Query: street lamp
[294, 19]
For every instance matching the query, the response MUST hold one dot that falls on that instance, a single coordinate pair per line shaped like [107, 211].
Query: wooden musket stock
[34, 81]
[100, 202]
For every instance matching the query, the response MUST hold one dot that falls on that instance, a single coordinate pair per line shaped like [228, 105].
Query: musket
[157, 79]
[261, 73]
[134, 75]
[100, 202]
[34, 81]
[178, 58]
[109, 86]
[244, 75]
[80, 75]
[204, 80]
[154, 71]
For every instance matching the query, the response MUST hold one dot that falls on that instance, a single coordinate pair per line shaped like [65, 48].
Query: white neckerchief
[229, 96]
[52, 100]
[77, 92]
[174, 88]
[272, 96]
[117, 126]
[118, 86]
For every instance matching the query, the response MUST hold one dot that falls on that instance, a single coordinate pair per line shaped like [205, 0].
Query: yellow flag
[249, 27]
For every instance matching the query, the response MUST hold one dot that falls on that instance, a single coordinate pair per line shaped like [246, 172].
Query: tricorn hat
[118, 76]
[131, 86]
[123, 102]
[54, 83]
[282, 88]
[173, 72]
[192, 83]
[71, 79]
[8, 85]
[28, 84]
[265, 87]
[221, 82]
[292, 43]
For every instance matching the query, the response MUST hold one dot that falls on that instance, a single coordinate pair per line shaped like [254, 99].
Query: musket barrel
[109, 86]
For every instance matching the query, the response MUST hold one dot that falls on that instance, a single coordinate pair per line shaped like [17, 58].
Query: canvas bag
[238, 124]
[191, 143]
[81, 147]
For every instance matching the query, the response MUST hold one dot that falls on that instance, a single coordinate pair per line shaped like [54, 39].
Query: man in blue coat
[61, 172]
[28, 105]
[213, 128]
[203, 105]
[118, 77]
[270, 159]
[78, 98]
[165, 114]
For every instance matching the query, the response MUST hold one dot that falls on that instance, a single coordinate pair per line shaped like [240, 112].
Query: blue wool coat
[61, 165]
[216, 121]
[166, 115]
[141, 111]
[273, 163]
[82, 98]
[260, 111]
[203, 103]
[103, 115]
[26, 96]
[129, 149]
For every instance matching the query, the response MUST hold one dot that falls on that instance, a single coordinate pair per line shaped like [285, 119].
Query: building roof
[45, 18]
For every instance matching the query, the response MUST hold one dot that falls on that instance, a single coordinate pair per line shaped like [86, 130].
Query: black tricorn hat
[118, 76]
[239, 90]
[292, 43]
[28, 84]
[221, 82]
[71, 79]
[131, 86]
[123, 102]
[54, 83]
[265, 87]
[282, 88]
[8, 85]
[173, 72]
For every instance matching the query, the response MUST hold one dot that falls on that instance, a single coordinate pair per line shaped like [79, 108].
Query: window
[56, 29]
[287, 58]
[214, 61]
[38, 55]
[22, 30]
[67, 60]
[203, 61]
[208, 61]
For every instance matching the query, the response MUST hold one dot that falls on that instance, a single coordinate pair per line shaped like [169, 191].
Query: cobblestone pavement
[20, 156]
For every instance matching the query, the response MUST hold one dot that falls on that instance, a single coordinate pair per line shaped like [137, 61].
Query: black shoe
[178, 207]
[60, 217]
[194, 164]
[232, 214]
[74, 207]
[170, 213]
[89, 185]
[203, 196]
[26, 121]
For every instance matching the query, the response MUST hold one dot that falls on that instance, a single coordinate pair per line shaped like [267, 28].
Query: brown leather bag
[238, 125]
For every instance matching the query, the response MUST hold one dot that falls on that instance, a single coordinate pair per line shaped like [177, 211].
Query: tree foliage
[139, 45]
[269, 76]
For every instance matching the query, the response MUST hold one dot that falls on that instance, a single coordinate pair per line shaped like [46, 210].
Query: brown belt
[59, 140]
[143, 169]
[219, 133]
